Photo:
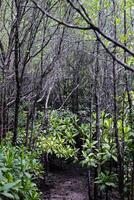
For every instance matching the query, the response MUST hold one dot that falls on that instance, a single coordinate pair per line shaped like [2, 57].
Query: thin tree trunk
[16, 66]
[119, 152]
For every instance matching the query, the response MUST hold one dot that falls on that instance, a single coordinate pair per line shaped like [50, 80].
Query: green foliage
[106, 180]
[59, 139]
[33, 130]
[89, 154]
[19, 169]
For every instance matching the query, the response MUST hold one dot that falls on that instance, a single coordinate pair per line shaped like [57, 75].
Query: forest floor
[67, 184]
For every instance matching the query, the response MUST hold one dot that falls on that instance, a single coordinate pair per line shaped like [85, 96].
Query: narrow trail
[65, 185]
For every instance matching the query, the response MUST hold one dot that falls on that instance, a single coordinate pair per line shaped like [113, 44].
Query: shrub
[19, 169]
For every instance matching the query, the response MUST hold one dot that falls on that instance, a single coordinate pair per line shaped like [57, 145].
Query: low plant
[59, 138]
[19, 169]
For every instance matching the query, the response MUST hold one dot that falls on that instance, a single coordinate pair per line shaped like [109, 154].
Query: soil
[67, 184]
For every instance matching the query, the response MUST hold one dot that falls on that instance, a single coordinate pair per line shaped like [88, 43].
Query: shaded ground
[70, 184]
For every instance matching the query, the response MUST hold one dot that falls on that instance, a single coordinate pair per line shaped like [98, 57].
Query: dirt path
[65, 185]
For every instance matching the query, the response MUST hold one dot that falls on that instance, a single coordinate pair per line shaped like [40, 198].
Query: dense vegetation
[19, 168]
[67, 92]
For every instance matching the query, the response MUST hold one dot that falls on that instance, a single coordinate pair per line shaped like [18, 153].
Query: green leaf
[118, 21]
[9, 186]
[8, 195]
[115, 158]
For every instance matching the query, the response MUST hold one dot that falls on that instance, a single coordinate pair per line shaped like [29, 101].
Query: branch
[95, 28]
[114, 57]
[2, 51]
[68, 96]
[58, 20]
[87, 18]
